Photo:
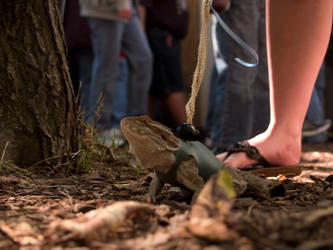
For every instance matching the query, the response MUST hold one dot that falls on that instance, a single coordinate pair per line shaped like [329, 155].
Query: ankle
[280, 150]
[289, 153]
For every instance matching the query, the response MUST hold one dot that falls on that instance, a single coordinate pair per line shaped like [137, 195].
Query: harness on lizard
[206, 161]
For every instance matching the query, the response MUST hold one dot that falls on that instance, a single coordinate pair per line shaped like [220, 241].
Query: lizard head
[152, 143]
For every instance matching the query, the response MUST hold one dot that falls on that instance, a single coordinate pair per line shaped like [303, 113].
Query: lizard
[186, 164]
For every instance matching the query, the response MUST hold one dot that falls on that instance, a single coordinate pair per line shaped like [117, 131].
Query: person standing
[80, 55]
[298, 34]
[315, 125]
[166, 23]
[115, 27]
[238, 93]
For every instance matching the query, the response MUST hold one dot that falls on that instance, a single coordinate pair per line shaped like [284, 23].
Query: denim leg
[106, 38]
[217, 84]
[236, 113]
[211, 99]
[85, 59]
[140, 63]
[260, 86]
[215, 89]
[315, 112]
[321, 83]
[217, 104]
[120, 95]
[74, 68]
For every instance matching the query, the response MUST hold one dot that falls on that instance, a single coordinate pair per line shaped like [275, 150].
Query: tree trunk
[38, 113]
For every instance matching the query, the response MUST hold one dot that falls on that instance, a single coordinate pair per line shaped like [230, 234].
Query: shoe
[311, 129]
[263, 167]
[111, 137]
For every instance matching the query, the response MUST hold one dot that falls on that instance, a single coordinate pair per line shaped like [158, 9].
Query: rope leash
[206, 7]
[201, 61]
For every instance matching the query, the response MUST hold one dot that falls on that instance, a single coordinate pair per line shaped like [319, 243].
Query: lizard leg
[188, 175]
[155, 187]
[195, 196]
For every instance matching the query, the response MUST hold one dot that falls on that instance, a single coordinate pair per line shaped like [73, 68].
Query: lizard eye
[163, 137]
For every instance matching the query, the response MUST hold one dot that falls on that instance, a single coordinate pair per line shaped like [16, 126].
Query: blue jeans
[239, 96]
[80, 60]
[315, 113]
[119, 107]
[81, 69]
[108, 39]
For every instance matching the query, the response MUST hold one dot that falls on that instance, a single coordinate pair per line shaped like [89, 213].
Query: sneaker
[112, 137]
[310, 129]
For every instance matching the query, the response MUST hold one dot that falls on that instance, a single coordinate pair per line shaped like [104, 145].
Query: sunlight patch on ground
[316, 163]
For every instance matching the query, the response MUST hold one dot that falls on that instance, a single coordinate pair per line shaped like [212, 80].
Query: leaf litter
[104, 208]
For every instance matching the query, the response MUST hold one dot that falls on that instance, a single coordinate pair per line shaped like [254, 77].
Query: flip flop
[263, 167]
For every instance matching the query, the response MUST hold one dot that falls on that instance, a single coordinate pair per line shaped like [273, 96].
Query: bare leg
[297, 38]
[175, 103]
[152, 102]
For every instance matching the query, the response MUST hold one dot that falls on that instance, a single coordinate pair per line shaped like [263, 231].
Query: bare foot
[277, 150]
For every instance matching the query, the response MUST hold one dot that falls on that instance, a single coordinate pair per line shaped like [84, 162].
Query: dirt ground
[48, 209]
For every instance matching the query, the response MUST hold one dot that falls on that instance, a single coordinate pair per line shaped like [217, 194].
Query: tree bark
[38, 112]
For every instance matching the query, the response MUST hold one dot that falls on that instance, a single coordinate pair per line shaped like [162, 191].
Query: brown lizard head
[152, 143]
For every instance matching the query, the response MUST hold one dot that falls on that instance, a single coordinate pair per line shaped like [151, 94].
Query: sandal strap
[251, 152]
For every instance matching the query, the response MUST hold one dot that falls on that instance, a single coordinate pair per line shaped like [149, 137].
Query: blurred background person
[115, 28]
[315, 125]
[237, 92]
[166, 23]
[80, 55]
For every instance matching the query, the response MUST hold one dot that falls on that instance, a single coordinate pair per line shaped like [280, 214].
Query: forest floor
[50, 209]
